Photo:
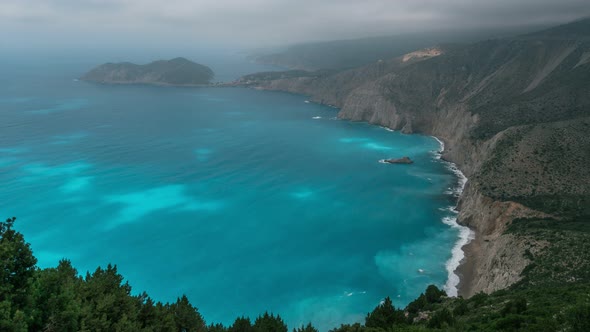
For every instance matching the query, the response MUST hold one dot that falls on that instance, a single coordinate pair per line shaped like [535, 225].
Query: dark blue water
[244, 200]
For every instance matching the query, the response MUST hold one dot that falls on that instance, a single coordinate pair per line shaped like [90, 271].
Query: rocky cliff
[514, 115]
[178, 71]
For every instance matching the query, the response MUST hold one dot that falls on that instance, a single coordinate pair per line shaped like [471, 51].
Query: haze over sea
[244, 200]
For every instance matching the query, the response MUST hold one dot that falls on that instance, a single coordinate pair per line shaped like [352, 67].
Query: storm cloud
[260, 22]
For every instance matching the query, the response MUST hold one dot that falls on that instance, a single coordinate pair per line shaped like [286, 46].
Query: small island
[175, 72]
[403, 160]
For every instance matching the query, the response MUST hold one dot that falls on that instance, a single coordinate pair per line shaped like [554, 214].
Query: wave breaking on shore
[466, 235]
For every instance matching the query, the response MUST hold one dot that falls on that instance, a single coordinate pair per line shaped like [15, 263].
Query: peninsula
[175, 72]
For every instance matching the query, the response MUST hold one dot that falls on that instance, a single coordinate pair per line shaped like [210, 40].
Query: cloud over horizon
[263, 22]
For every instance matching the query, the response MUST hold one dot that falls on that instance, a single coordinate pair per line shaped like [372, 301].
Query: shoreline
[460, 263]
[463, 253]
[466, 236]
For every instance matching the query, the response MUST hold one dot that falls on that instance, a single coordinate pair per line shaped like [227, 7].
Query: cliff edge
[514, 115]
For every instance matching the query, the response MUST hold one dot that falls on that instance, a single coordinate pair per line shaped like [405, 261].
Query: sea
[246, 201]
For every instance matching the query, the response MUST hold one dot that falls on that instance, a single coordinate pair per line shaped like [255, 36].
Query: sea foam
[457, 254]
[466, 235]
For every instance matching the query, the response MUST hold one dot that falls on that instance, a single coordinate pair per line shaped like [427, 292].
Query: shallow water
[245, 200]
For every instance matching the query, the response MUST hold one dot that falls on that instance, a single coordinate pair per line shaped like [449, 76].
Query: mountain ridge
[351, 53]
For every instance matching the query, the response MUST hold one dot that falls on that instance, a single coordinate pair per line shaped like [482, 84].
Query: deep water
[244, 200]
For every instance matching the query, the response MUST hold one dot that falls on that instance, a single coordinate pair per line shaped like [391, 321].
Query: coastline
[157, 84]
[461, 265]
[461, 249]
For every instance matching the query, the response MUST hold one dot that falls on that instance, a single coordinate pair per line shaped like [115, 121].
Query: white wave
[317, 117]
[438, 154]
[462, 179]
[466, 235]
[388, 129]
[457, 255]
[349, 294]
[307, 101]
[382, 161]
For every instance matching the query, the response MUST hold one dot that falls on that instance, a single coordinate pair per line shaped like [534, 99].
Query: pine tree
[17, 268]
[56, 296]
[187, 317]
[241, 324]
[433, 294]
[269, 323]
[306, 328]
[384, 316]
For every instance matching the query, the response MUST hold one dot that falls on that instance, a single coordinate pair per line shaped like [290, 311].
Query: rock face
[178, 71]
[514, 115]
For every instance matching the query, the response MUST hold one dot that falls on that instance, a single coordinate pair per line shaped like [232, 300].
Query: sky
[86, 23]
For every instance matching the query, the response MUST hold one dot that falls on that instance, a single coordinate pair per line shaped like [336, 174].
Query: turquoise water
[245, 200]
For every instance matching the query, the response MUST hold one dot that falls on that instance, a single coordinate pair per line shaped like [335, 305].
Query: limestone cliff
[514, 115]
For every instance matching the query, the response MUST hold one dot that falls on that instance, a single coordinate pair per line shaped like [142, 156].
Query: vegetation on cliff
[552, 296]
[514, 114]
[178, 71]
[514, 111]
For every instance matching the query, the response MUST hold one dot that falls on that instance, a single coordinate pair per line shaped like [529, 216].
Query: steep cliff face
[514, 116]
[494, 259]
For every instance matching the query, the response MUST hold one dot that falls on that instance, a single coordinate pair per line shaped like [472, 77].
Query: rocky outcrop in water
[402, 160]
[514, 115]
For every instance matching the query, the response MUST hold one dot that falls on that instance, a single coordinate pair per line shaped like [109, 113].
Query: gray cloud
[263, 21]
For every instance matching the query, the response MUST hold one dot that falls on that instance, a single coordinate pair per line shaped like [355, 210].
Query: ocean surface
[247, 201]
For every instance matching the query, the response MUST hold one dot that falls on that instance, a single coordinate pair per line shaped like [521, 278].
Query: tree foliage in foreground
[59, 299]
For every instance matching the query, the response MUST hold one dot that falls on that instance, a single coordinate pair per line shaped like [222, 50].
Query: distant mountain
[514, 114]
[345, 54]
[579, 29]
[178, 71]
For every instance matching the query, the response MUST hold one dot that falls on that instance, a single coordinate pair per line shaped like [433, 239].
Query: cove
[247, 201]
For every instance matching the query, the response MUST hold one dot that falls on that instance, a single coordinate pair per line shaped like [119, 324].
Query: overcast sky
[260, 22]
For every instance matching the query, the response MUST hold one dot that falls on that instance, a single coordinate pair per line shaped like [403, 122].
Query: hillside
[350, 53]
[514, 114]
[178, 71]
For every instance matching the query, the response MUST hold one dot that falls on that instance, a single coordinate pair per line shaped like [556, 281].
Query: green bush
[441, 318]
[510, 323]
[433, 294]
[578, 318]
[461, 308]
